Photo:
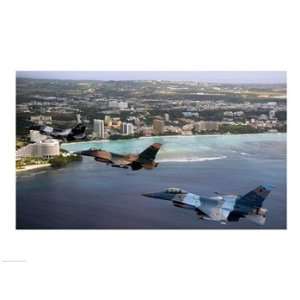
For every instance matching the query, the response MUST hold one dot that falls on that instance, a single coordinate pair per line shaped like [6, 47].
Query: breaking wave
[30, 173]
[191, 159]
[245, 154]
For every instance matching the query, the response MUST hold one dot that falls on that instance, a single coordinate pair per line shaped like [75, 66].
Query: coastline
[171, 136]
[33, 167]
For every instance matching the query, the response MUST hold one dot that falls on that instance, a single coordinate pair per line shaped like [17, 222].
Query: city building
[206, 126]
[173, 129]
[123, 105]
[78, 118]
[147, 131]
[99, 129]
[238, 113]
[188, 127]
[228, 114]
[36, 136]
[47, 148]
[167, 117]
[272, 114]
[188, 114]
[263, 117]
[127, 129]
[113, 104]
[22, 108]
[116, 123]
[107, 121]
[158, 127]
[118, 104]
[41, 119]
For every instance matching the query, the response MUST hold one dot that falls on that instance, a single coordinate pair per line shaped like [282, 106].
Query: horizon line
[217, 77]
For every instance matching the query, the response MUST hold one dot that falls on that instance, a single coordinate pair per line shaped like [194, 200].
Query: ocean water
[91, 195]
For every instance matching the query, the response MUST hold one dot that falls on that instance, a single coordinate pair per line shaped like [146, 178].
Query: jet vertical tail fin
[256, 197]
[148, 155]
[78, 129]
[146, 158]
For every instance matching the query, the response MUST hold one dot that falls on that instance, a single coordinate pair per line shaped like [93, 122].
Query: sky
[264, 77]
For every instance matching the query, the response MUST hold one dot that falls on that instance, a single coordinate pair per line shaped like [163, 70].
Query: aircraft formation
[221, 208]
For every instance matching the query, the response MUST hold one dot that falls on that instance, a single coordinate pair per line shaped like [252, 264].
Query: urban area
[132, 109]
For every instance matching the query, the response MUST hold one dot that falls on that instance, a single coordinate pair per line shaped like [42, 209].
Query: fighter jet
[70, 134]
[136, 161]
[222, 208]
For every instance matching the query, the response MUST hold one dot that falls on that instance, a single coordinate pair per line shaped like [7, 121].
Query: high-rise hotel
[99, 129]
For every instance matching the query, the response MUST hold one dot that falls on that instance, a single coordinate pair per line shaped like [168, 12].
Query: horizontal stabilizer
[260, 220]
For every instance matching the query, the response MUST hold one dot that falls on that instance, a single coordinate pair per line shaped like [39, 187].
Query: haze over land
[258, 77]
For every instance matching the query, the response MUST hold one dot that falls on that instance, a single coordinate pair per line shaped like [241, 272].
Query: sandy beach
[33, 167]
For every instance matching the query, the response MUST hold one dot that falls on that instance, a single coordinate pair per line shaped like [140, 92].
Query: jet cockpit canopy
[175, 191]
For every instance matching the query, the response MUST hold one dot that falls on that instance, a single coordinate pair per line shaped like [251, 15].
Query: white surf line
[192, 159]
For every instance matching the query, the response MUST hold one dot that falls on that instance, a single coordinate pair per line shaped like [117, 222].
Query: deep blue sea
[91, 195]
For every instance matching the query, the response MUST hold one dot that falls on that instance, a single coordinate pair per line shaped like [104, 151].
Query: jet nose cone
[152, 195]
[155, 195]
[148, 195]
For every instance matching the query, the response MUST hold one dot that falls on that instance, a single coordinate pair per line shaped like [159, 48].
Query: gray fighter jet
[222, 208]
[70, 134]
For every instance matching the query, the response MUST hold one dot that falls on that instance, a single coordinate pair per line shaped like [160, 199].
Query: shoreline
[169, 136]
[33, 167]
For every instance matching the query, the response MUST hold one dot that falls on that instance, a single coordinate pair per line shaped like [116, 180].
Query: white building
[118, 104]
[228, 114]
[272, 114]
[36, 136]
[127, 129]
[99, 129]
[123, 105]
[238, 113]
[113, 104]
[47, 148]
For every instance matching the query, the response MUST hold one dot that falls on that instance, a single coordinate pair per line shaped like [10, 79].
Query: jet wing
[215, 209]
[203, 206]
[47, 130]
[122, 160]
[113, 158]
[62, 133]
[117, 160]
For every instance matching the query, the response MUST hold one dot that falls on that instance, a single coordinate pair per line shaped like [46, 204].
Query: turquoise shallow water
[91, 195]
[196, 148]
